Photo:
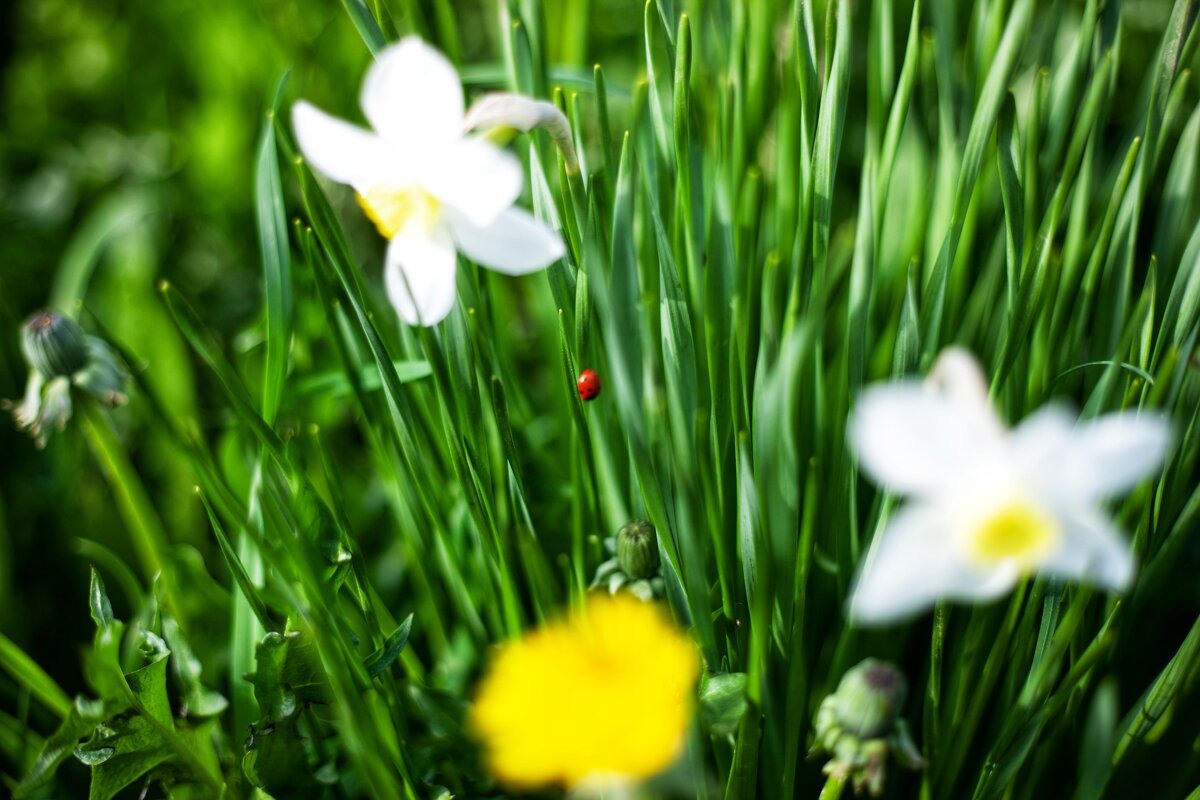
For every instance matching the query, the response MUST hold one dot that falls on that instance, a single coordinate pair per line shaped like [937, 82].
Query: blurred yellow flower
[603, 695]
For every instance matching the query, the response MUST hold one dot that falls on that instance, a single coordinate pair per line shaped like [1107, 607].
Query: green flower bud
[869, 698]
[637, 550]
[54, 345]
[62, 357]
[502, 115]
[859, 725]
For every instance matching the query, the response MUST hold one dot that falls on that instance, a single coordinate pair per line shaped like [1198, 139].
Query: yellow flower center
[1019, 532]
[396, 209]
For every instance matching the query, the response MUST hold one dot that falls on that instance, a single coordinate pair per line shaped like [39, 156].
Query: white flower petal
[1092, 550]
[476, 179]
[1080, 464]
[420, 276]
[515, 243]
[413, 98]
[1121, 449]
[340, 151]
[958, 375]
[913, 564]
[915, 440]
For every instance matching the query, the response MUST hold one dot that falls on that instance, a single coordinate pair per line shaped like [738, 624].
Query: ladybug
[589, 385]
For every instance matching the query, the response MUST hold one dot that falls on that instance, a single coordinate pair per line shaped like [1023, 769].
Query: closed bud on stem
[869, 699]
[54, 345]
[859, 725]
[637, 550]
[501, 115]
[62, 358]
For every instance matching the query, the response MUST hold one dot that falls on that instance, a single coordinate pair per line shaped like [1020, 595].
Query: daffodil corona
[603, 696]
[989, 506]
[430, 189]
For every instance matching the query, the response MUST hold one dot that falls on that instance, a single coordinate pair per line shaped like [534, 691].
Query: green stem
[149, 537]
[834, 786]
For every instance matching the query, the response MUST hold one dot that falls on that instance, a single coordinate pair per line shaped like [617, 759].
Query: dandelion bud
[859, 726]
[63, 357]
[54, 345]
[501, 115]
[869, 698]
[637, 550]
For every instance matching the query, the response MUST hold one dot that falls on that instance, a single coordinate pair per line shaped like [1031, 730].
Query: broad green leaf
[723, 702]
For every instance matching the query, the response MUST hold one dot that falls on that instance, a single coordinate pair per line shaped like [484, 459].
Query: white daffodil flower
[987, 505]
[429, 188]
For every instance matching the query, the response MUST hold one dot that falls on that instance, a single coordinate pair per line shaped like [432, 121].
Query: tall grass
[790, 201]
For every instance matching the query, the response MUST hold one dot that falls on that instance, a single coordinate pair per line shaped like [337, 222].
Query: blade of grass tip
[246, 585]
[881, 68]
[276, 258]
[897, 117]
[1092, 272]
[1007, 150]
[749, 525]
[522, 72]
[113, 565]
[862, 274]
[366, 25]
[1067, 83]
[1182, 314]
[26, 672]
[534, 19]
[658, 108]
[906, 352]
[1032, 131]
[687, 203]
[987, 110]
[678, 342]
[830, 123]
[602, 120]
[1179, 200]
[623, 301]
[718, 340]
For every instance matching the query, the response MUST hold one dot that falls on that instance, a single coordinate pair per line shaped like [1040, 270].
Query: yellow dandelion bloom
[605, 693]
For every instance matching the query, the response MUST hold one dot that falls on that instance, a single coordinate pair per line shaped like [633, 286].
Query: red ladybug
[589, 385]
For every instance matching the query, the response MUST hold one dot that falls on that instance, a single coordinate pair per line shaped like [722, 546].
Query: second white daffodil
[428, 187]
[988, 506]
